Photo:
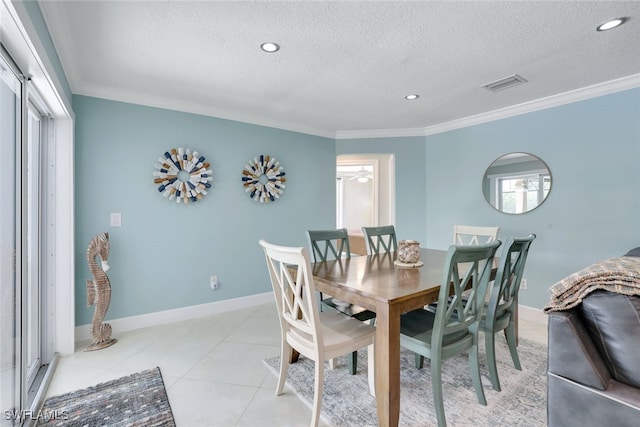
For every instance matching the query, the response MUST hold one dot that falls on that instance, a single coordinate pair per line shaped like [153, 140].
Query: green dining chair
[381, 238]
[329, 245]
[453, 328]
[500, 310]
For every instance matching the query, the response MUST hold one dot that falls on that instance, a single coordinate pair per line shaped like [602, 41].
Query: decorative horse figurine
[99, 292]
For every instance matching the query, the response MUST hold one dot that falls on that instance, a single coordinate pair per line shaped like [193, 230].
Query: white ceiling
[344, 67]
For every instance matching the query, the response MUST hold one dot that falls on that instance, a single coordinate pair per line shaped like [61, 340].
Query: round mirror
[516, 183]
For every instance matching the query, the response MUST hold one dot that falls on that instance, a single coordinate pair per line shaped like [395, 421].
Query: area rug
[347, 402]
[136, 400]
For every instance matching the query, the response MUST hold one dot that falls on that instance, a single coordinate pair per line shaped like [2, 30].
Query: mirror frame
[491, 179]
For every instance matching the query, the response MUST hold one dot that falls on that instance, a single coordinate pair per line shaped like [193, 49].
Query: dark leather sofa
[593, 376]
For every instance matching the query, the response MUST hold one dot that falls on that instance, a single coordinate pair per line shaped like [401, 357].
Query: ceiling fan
[362, 175]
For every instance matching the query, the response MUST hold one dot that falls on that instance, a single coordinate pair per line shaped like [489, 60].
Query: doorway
[365, 191]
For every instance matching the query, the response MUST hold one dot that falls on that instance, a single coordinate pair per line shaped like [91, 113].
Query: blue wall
[162, 256]
[592, 148]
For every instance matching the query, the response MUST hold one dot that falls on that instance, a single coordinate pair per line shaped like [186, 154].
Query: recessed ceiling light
[270, 47]
[412, 97]
[611, 24]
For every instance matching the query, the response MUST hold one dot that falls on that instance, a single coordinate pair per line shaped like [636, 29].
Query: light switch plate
[116, 219]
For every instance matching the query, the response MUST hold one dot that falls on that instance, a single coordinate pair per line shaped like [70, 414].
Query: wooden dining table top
[363, 280]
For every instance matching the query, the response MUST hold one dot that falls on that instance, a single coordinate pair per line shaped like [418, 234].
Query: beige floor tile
[234, 363]
[212, 368]
[268, 410]
[203, 403]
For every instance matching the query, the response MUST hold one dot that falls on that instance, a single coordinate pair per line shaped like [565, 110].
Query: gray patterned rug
[347, 402]
[137, 400]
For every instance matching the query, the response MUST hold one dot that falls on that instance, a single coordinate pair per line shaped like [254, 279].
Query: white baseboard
[83, 332]
[532, 314]
[125, 324]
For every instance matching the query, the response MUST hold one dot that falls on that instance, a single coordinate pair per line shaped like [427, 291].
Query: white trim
[532, 314]
[124, 324]
[33, 52]
[23, 43]
[64, 273]
[379, 133]
[593, 91]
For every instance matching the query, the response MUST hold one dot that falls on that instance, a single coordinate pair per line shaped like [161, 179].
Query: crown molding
[593, 91]
[588, 92]
[155, 101]
[379, 133]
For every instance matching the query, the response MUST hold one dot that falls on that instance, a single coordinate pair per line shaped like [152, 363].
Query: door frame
[384, 182]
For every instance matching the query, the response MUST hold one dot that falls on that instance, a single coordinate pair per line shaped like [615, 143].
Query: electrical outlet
[213, 282]
[523, 284]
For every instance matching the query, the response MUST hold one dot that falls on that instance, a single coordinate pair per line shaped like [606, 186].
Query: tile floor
[212, 368]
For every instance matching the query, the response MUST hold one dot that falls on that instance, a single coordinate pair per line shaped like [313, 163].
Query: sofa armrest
[571, 352]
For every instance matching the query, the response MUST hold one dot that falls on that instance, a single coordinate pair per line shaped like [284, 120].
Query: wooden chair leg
[285, 352]
[317, 393]
[353, 362]
[490, 350]
[333, 363]
[475, 373]
[436, 385]
[371, 370]
[419, 361]
[512, 340]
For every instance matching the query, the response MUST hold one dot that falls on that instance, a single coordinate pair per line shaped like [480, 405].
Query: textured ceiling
[344, 67]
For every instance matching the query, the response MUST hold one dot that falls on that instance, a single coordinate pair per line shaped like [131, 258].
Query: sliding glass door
[22, 180]
[33, 301]
[10, 294]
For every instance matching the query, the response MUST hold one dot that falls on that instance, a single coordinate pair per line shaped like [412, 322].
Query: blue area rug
[347, 402]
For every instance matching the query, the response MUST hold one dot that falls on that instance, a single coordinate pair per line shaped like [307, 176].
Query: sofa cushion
[613, 321]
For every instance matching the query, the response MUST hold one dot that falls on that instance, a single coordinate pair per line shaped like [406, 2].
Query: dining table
[376, 283]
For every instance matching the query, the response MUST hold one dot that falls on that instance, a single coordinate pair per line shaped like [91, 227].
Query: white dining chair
[474, 235]
[318, 336]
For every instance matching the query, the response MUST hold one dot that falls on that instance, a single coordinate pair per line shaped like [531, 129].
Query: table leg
[387, 365]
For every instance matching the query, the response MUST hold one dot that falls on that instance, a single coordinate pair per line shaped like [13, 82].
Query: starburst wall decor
[183, 175]
[263, 178]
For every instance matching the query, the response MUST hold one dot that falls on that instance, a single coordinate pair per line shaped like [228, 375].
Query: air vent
[505, 83]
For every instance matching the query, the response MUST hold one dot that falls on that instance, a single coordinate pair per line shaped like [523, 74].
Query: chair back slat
[380, 239]
[463, 288]
[295, 297]
[329, 244]
[509, 276]
[473, 235]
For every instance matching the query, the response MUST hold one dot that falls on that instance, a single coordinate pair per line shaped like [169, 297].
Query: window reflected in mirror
[517, 183]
